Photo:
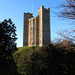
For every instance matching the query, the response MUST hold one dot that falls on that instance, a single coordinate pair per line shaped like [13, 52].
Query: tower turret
[27, 16]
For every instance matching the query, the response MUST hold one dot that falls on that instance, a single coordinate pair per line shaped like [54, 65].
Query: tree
[52, 60]
[68, 12]
[68, 9]
[7, 45]
[68, 34]
[7, 35]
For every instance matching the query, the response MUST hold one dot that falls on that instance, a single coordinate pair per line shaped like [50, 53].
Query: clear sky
[15, 9]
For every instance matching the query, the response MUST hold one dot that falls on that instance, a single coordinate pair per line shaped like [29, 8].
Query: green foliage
[47, 60]
[7, 47]
[23, 58]
[7, 37]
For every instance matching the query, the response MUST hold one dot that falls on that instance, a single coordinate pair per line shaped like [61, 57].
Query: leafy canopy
[7, 36]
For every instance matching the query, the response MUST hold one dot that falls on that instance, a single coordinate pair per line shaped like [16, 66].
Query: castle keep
[36, 30]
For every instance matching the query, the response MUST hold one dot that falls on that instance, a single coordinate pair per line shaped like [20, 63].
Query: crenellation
[37, 29]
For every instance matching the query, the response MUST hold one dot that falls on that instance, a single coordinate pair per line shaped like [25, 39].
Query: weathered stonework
[36, 30]
[27, 16]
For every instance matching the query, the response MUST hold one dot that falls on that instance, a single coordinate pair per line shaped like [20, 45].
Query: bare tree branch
[68, 10]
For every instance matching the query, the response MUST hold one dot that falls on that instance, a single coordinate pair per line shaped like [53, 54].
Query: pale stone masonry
[36, 30]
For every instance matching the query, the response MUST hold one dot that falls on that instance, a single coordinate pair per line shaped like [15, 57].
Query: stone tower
[37, 29]
[27, 16]
[44, 25]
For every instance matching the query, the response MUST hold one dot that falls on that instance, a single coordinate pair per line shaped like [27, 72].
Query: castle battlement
[36, 30]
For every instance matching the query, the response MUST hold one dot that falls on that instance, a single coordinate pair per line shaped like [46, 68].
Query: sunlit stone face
[37, 29]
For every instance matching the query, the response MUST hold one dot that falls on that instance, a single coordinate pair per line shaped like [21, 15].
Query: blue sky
[15, 9]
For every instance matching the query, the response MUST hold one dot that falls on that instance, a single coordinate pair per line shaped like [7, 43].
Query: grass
[22, 56]
[27, 49]
[24, 52]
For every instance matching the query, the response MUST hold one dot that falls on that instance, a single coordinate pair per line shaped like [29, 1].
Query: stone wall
[27, 16]
[46, 26]
[40, 25]
[32, 32]
[37, 29]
